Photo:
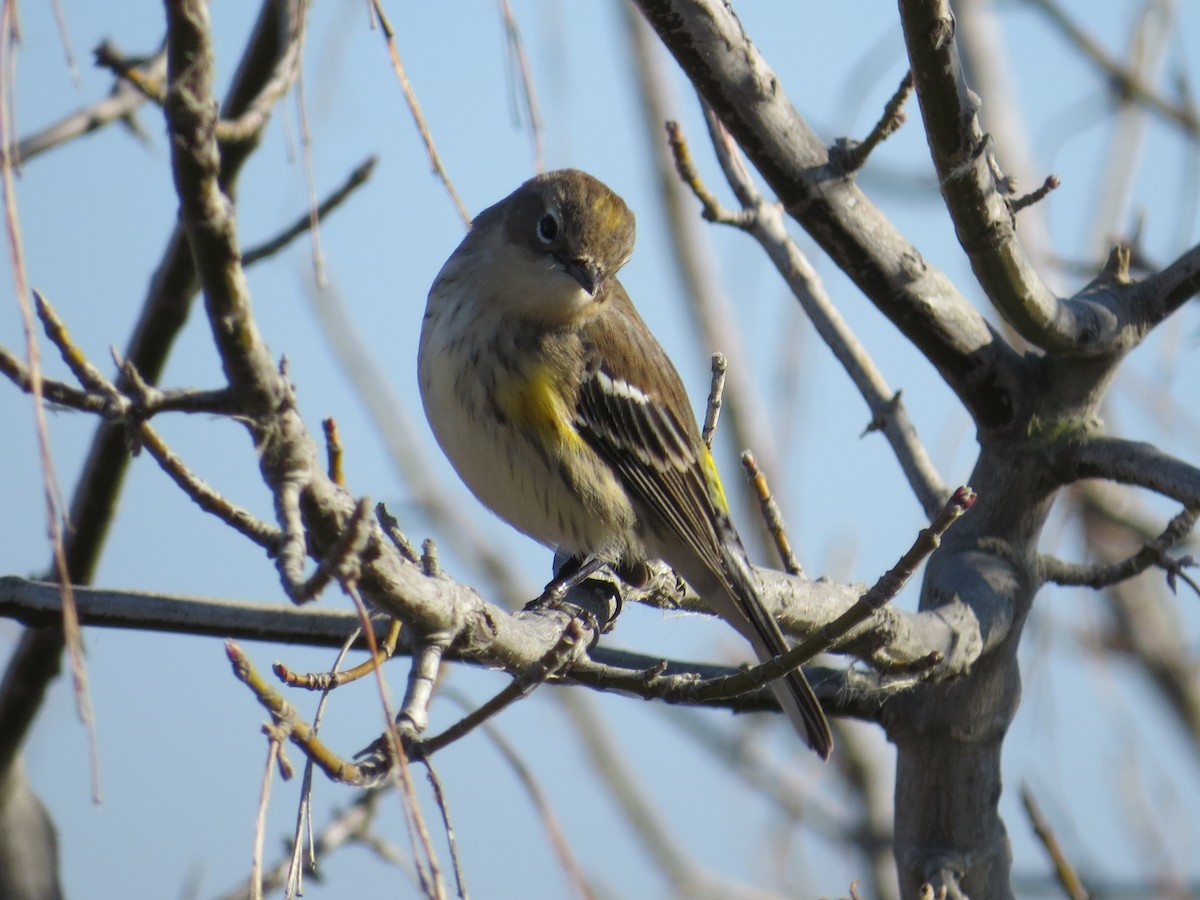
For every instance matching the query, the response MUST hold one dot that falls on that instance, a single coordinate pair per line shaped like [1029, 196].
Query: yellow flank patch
[713, 478]
[534, 403]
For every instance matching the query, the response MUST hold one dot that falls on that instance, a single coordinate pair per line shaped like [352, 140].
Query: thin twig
[558, 658]
[356, 179]
[333, 451]
[81, 367]
[284, 715]
[295, 875]
[347, 826]
[1063, 870]
[1125, 82]
[310, 181]
[712, 410]
[439, 798]
[117, 107]
[247, 126]
[335, 678]
[52, 496]
[853, 154]
[260, 818]
[1051, 183]
[1152, 553]
[527, 87]
[428, 870]
[711, 208]
[764, 221]
[150, 400]
[391, 527]
[60, 22]
[887, 587]
[236, 517]
[143, 76]
[545, 811]
[414, 106]
[771, 514]
[55, 392]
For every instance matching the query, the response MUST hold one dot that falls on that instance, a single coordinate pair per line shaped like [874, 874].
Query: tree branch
[35, 661]
[1109, 315]
[119, 105]
[1166, 291]
[1125, 83]
[764, 222]
[1152, 553]
[707, 41]
[1130, 462]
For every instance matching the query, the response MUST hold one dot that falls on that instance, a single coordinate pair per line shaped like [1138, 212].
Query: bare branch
[1063, 869]
[1125, 82]
[422, 677]
[570, 647]
[118, 106]
[772, 516]
[356, 179]
[1153, 553]
[351, 825]
[1107, 317]
[35, 662]
[882, 592]
[1130, 462]
[716, 390]
[764, 222]
[854, 154]
[145, 78]
[713, 310]
[528, 779]
[414, 107]
[708, 42]
[1168, 290]
[54, 391]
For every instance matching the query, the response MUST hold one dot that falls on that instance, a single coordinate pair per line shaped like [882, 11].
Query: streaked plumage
[567, 418]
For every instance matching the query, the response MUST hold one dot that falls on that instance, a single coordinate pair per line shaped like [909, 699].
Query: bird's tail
[793, 691]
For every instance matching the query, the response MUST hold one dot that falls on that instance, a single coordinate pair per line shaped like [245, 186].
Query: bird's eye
[547, 228]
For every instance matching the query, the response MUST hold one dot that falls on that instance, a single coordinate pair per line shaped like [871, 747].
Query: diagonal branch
[1125, 83]
[1152, 553]
[765, 223]
[1108, 315]
[1166, 291]
[119, 105]
[1130, 462]
[707, 41]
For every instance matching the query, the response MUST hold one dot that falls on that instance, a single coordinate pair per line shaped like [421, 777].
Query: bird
[565, 417]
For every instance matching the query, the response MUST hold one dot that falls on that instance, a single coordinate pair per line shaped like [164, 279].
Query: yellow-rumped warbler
[565, 417]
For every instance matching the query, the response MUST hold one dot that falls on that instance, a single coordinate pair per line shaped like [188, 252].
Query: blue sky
[179, 741]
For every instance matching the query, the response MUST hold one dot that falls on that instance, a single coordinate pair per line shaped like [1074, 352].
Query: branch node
[712, 210]
[851, 154]
[333, 451]
[1116, 266]
[391, 527]
[1050, 184]
[130, 69]
[429, 558]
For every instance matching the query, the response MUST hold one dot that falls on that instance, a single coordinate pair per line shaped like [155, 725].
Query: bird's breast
[506, 427]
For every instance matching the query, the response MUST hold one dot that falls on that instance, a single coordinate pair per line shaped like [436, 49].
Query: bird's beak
[586, 272]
